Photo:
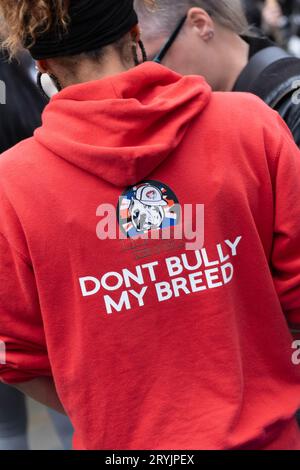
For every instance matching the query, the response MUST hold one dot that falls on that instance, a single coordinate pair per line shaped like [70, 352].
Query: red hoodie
[153, 345]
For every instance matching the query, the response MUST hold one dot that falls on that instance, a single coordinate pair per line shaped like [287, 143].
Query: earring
[143, 51]
[48, 84]
[210, 34]
[56, 82]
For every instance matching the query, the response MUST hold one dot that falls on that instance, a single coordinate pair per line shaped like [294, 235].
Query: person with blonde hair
[147, 333]
[212, 38]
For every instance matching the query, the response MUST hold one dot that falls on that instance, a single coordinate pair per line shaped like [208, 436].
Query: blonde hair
[228, 13]
[23, 19]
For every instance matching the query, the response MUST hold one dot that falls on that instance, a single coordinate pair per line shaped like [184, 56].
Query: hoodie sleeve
[22, 341]
[286, 245]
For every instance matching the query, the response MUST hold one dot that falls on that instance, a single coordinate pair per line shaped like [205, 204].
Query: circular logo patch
[150, 205]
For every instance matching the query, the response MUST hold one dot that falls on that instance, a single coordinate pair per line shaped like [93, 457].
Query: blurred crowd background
[25, 424]
[278, 19]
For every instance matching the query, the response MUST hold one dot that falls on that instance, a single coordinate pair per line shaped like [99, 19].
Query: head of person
[73, 40]
[202, 36]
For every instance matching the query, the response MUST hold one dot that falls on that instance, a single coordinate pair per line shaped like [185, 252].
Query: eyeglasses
[159, 57]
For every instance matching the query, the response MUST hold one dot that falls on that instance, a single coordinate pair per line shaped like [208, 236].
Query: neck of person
[234, 53]
[87, 69]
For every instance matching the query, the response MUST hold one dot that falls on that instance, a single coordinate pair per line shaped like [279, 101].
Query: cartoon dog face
[145, 217]
[146, 208]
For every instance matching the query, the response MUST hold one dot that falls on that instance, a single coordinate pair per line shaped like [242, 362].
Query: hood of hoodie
[121, 128]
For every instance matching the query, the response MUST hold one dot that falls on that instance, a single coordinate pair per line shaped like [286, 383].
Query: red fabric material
[288, 438]
[210, 368]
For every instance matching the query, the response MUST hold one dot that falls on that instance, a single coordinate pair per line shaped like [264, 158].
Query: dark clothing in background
[252, 10]
[13, 415]
[276, 81]
[21, 114]
[289, 6]
[290, 10]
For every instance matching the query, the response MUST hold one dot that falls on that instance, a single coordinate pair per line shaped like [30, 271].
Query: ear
[202, 21]
[136, 33]
[42, 66]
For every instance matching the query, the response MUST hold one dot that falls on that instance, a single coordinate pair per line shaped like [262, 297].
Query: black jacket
[21, 113]
[276, 85]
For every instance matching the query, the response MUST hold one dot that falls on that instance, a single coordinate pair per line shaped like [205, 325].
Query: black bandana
[93, 24]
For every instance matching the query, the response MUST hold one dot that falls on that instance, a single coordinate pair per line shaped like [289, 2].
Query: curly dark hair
[29, 18]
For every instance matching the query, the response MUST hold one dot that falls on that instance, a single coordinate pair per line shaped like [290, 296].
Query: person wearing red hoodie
[149, 246]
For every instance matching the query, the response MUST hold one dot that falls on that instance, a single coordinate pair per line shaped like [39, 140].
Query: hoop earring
[53, 85]
[56, 82]
[143, 51]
